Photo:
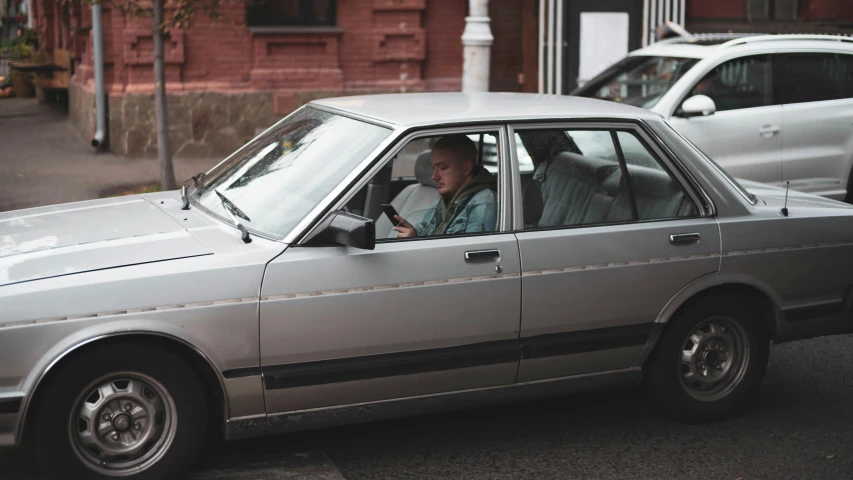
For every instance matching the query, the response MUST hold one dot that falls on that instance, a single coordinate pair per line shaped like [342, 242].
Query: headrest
[651, 182]
[645, 182]
[592, 170]
[423, 169]
[611, 184]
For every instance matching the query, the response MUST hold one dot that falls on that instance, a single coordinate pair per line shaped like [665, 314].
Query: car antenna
[785, 208]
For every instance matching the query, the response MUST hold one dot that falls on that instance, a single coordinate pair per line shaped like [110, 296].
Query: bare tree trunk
[167, 170]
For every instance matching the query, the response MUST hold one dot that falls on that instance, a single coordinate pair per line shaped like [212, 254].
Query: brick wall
[810, 11]
[828, 10]
[506, 22]
[444, 21]
[376, 46]
[716, 9]
[382, 45]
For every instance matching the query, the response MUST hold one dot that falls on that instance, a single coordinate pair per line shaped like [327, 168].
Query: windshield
[279, 177]
[639, 81]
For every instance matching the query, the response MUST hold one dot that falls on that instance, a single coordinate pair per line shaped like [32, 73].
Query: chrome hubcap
[122, 424]
[714, 358]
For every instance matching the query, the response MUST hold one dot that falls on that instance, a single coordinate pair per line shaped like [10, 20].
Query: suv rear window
[639, 80]
[815, 77]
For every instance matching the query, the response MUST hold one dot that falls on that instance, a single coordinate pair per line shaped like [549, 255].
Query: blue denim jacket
[474, 209]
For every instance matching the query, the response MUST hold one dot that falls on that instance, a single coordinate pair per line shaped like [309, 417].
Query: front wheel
[709, 360]
[128, 411]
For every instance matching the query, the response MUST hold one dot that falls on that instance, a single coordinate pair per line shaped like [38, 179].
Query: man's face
[449, 170]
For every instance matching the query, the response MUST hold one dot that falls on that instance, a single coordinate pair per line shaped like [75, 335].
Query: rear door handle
[680, 238]
[767, 131]
[476, 255]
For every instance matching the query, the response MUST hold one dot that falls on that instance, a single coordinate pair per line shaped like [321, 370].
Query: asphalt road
[798, 428]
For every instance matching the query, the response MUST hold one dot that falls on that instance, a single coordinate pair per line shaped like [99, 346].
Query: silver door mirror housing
[697, 106]
[342, 228]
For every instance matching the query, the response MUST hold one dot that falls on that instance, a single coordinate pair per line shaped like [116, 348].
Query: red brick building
[230, 79]
[227, 81]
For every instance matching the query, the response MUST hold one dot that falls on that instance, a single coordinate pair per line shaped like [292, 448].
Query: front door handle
[476, 255]
[768, 131]
[681, 238]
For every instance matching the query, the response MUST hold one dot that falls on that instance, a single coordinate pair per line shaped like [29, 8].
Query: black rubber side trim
[390, 364]
[584, 341]
[450, 358]
[242, 372]
[814, 311]
[10, 405]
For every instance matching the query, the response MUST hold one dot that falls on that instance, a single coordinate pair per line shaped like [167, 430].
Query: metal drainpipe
[100, 98]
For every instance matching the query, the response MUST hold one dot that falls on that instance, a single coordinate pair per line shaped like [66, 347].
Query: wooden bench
[52, 81]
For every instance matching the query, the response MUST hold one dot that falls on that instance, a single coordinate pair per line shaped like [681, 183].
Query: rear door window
[846, 66]
[811, 77]
[581, 180]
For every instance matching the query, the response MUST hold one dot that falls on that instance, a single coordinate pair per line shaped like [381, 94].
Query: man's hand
[404, 229]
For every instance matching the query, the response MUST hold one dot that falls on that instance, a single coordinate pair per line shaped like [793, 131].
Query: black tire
[683, 397]
[54, 437]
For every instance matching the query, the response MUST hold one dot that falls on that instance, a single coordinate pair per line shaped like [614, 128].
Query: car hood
[773, 196]
[81, 237]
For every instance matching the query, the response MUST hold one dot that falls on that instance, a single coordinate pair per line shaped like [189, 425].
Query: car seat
[414, 201]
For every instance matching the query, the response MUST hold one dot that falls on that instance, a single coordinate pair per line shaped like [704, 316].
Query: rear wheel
[709, 359]
[129, 411]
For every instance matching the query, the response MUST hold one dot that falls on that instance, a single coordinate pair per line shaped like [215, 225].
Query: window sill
[296, 30]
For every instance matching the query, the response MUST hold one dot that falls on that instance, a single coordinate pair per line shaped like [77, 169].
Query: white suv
[769, 108]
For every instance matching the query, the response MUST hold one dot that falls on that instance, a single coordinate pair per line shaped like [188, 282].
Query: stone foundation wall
[201, 124]
[81, 110]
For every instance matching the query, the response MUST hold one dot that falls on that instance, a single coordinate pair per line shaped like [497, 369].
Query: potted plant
[22, 52]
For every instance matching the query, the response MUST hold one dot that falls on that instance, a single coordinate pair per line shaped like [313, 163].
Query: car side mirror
[342, 228]
[697, 106]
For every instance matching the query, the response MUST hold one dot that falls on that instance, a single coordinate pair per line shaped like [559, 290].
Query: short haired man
[468, 202]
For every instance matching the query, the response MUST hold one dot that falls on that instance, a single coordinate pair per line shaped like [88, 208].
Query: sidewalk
[44, 161]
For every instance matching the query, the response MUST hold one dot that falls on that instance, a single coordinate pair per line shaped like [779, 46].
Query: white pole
[477, 42]
[675, 15]
[559, 49]
[681, 12]
[652, 16]
[645, 32]
[666, 16]
[541, 46]
[550, 86]
[660, 13]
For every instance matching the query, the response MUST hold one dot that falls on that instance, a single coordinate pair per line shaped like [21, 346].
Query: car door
[602, 256]
[817, 114]
[744, 135]
[342, 326]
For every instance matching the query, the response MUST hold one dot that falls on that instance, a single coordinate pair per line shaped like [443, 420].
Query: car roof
[709, 45]
[426, 109]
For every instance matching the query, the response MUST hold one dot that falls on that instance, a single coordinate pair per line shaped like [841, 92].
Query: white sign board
[604, 41]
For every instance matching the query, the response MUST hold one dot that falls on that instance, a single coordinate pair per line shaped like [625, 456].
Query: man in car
[468, 202]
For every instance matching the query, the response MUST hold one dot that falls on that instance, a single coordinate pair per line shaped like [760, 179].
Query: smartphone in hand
[390, 211]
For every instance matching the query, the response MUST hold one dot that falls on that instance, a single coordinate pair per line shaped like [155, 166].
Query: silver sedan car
[273, 294]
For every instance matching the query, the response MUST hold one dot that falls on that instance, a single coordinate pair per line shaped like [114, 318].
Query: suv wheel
[709, 360]
[128, 411]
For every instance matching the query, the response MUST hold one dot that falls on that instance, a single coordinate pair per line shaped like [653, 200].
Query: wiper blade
[235, 212]
[231, 207]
